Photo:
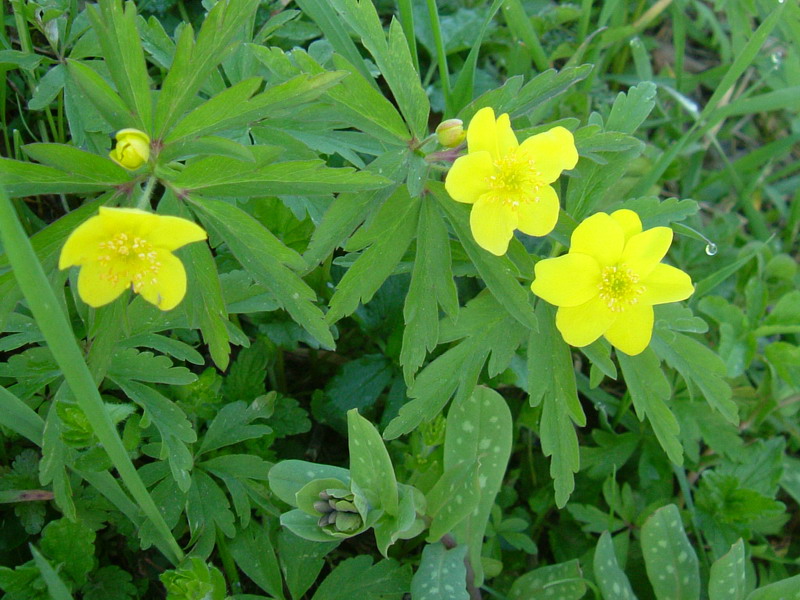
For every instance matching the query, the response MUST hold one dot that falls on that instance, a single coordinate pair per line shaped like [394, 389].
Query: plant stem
[441, 56]
[144, 199]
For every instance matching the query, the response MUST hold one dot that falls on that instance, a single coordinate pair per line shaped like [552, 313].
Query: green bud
[343, 506]
[323, 507]
[450, 133]
[347, 522]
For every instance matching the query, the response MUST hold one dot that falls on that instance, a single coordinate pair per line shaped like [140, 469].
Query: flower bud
[450, 133]
[132, 149]
[347, 522]
[322, 507]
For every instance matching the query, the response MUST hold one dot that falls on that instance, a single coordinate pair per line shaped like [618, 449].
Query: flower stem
[144, 199]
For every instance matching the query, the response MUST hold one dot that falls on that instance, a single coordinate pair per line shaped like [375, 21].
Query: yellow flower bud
[132, 150]
[451, 133]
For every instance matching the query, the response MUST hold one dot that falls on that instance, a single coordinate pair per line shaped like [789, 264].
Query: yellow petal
[492, 225]
[83, 244]
[599, 236]
[645, 250]
[468, 178]
[130, 221]
[632, 330]
[96, 287]
[629, 220]
[539, 215]
[170, 232]
[169, 287]
[485, 133]
[552, 152]
[666, 284]
[568, 280]
[581, 325]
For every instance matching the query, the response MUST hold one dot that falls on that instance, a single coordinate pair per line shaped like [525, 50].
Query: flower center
[619, 288]
[129, 258]
[516, 179]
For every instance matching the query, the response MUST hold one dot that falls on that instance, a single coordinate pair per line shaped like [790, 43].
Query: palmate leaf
[266, 259]
[234, 424]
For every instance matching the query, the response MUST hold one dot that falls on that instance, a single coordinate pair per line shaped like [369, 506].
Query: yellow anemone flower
[509, 182]
[132, 149]
[129, 248]
[609, 281]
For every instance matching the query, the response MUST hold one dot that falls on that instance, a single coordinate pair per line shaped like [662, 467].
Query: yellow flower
[609, 281]
[125, 247]
[132, 150]
[509, 182]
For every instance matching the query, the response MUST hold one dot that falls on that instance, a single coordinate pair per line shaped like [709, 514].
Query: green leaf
[28, 179]
[631, 109]
[701, 368]
[370, 466]
[497, 272]
[47, 88]
[264, 257]
[780, 590]
[720, 274]
[57, 588]
[176, 431]
[655, 212]
[727, 580]
[193, 63]
[193, 580]
[389, 235]
[441, 574]
[650, 391]
[431, 286]
[455, 495]
[611, 579]
[70, 545]
[290, 476]
[563, 581]
[479, 426]
[110, 583]
[128, 364]
[207, 508]
[669, 557]
[233, 424]
[122, 51]
[359, 578]
[358, 384]
[19, 417]
[254, 554]
[107, 102]
[301, 561]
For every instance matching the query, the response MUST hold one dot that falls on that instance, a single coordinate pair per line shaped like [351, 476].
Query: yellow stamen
[618, 288]
[516, 179]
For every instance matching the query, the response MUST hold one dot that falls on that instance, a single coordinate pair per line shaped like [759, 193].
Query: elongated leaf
[19, 417]
[107, 102]
[289, 476]
[255, 556]
[453, 498]
[390, 235]
[562, 581]
[370, 466]
[481, 426]
[780, 590]
[610, 577]
[57, 588]
[234, 424]
[669, 557]
[28, 179]
[441, 574]
[727, 580]
[262, 255]
[650, 391]
[497, 272]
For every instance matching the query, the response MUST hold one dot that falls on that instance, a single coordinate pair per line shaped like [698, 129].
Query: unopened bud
[344, 506]
[450, 133]
[347, 522]
[322, 507]
[132, 149]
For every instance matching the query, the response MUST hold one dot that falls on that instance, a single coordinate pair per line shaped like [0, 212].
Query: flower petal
[632, 330]
[96, 287]
[131, 221]
[492, 225]
[170, 232]
[539, 216]
[485, 133]
[599, 236]
[83, 244]
[629, 220]
[468, 178]
[569, 280]
[552, 151]
[645, 250]
[666, 284]
[170, 284]
[581, 325]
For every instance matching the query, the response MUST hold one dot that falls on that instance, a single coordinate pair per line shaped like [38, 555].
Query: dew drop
[711, 249]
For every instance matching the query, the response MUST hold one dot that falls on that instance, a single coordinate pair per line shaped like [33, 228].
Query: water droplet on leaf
[711, 249]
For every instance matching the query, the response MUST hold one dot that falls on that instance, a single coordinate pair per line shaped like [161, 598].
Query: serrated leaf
[497, 272]
[390, 235]
[359, 578]
[554, 581]
[110, 583]
[206, 509]
[128, 364]
[655, 212]
[611, 579]
[261, 254]
[632, 108]
[70, 545]
[255, 555]
[479, 426]
[700, 367]
[727, 580]
[301, 561]
[669, 557]
[650, 391]
[176, 431]
[441, 574]
[233, 424]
